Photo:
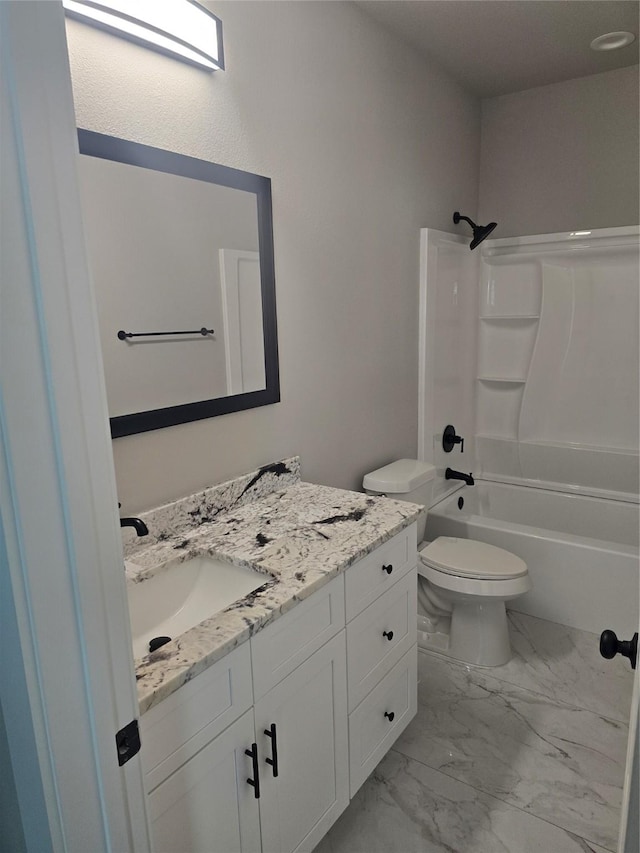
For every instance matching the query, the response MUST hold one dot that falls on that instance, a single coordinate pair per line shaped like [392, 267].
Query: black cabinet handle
[389, 715]
[255, 782]
[273, 761]
[388, 569]
[388, 635]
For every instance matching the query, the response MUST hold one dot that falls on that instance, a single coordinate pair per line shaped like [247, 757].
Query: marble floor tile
[407, 807]
[561, 763]
[565, 664]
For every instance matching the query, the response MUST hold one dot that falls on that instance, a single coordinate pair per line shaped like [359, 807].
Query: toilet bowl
[462, 584]
[462, 589]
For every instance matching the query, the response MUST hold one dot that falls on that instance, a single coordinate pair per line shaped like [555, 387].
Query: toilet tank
[404, 480]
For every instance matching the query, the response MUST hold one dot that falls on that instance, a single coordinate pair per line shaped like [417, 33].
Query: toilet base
[478, 634]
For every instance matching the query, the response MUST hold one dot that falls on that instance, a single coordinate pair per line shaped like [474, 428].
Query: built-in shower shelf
[510, 318]
[514, 380]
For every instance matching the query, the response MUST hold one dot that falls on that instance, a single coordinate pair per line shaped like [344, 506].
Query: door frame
[629, 833]
[67, 681]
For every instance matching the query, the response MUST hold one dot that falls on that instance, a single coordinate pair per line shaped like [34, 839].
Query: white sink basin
[183, 595]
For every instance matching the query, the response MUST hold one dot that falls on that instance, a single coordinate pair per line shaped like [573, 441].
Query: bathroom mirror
[181, 256]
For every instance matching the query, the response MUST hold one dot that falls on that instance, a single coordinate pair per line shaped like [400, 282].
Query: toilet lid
[468, 558]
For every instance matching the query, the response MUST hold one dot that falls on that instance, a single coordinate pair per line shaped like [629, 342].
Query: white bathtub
[582, 552]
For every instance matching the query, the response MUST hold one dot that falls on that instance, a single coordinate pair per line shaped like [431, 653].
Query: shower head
[479, 231]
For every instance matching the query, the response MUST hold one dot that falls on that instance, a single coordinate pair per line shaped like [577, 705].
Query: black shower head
[479, 231]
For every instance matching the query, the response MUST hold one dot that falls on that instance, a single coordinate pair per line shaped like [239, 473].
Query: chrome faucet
[450, 474]
[140, 527]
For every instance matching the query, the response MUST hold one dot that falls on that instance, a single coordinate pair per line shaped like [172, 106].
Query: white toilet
[462, 584]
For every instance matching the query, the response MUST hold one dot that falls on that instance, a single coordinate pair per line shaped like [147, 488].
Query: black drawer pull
[255, 782]
[388, 569]
[388, 635]
[389, 715]
[273, 761]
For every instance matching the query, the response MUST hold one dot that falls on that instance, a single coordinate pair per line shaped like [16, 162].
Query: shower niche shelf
[498, 406]
[505, 347]
[518, 380]
[510, 287]
[509, 318]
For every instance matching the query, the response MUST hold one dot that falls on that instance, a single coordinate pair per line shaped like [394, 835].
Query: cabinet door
[206, 806]
[309, 711]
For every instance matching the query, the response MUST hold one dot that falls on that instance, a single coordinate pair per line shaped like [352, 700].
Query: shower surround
[530, 348]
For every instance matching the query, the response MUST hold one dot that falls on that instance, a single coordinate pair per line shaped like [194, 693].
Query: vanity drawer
[378, 571]
[175, 729]
[371, 733]
[380, 636]
[286, 643]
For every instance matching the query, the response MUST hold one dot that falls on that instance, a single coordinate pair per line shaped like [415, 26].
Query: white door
[207, 805]
[66, 670]
[309, 711]
[242, 320]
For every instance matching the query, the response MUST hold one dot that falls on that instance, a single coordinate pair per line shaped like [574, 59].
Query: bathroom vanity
[260, 723]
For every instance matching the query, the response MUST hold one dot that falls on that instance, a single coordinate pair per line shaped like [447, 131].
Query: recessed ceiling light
[612, 41]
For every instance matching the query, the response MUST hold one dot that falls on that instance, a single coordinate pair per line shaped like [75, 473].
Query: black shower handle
[450, 439]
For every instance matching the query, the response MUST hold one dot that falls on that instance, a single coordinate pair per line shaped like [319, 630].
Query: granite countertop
[299, 534]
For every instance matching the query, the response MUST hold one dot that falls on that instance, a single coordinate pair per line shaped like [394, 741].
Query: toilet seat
[468, 558]
[470, 568]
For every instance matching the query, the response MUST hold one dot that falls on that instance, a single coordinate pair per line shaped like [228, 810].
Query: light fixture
[181, 28]
[612, 41]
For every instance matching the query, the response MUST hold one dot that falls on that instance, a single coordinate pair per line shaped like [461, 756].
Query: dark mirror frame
[133, 153]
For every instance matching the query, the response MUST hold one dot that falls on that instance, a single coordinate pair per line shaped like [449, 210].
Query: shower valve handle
[610, 646]
[450, 439]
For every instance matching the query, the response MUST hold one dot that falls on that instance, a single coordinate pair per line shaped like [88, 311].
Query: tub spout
[450, 474]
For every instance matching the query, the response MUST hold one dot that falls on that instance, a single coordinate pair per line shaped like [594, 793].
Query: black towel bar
[124, 335]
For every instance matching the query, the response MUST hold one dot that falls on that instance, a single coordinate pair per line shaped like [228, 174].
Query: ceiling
[493, 47]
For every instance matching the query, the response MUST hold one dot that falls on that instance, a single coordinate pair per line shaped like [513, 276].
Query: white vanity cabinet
[381, 607]
[307, 716]
[318, 697]
[195, 757]
[193, 754]
[206, 804]
[300, 696]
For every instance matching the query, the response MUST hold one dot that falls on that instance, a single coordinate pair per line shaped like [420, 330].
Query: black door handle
[255, 782]
[610, 646]
[389, 716]
[273, 761]
[388, 569]
[388, 635]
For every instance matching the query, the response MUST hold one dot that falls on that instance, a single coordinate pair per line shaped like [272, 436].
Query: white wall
[364, 144]
[562, 157]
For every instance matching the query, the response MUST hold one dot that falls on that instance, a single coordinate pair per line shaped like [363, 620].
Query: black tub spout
[450, 474]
